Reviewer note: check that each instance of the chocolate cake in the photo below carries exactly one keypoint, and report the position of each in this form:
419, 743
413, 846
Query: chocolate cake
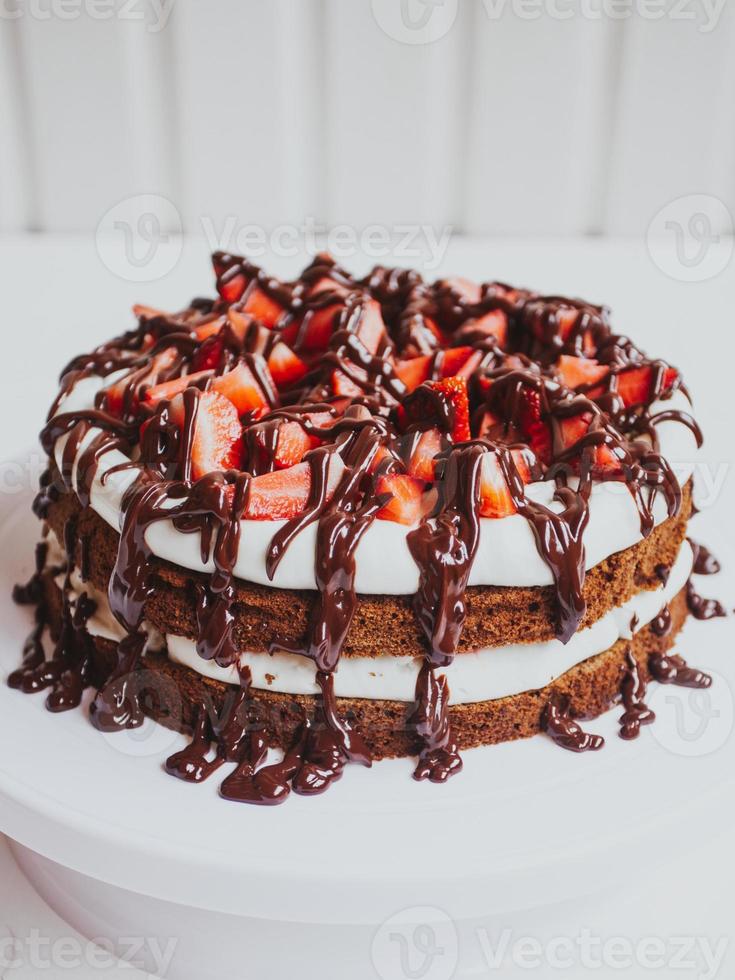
338, 519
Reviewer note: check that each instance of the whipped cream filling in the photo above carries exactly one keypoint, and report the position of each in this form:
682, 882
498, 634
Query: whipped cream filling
507, 554
487, 674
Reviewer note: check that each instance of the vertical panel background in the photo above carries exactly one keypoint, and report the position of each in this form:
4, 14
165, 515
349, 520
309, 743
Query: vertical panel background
279, 111
676, 118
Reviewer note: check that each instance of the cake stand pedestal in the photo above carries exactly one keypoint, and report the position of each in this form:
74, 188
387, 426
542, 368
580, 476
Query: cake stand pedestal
381, 876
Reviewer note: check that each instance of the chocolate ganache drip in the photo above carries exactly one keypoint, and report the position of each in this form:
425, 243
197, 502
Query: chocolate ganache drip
346, 400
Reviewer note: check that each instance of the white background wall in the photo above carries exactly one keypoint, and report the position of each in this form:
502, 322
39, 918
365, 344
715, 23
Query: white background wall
281, 110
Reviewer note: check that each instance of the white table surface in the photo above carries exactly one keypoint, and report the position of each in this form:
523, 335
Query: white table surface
59, 299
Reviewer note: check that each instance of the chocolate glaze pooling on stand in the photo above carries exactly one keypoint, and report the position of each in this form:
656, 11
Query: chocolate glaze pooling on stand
516, 339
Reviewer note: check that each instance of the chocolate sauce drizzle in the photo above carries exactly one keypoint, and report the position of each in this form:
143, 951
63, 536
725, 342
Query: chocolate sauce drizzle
633, 693
705, 562
702, 608
368, 435
558, 722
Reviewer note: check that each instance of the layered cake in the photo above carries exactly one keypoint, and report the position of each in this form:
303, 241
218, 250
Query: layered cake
339, 519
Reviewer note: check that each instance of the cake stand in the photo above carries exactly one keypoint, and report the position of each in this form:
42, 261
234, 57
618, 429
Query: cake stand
382, 876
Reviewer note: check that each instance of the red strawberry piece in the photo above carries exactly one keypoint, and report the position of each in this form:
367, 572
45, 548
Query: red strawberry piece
421, 406
491, 324
210, 328
317, 328
262, 307
217, 440
208, 356
495, 496
285, 366
169, 389
496, 499
423, 459
294, 442
575, 428
635, 386
232, 284
343, 385
284, 494
147, 312
455, 389
460, 361
578, 371
242, 389
407, 503
489, 425
327, 285
380, 457
122, 397
469, 291
414, 371
535, 429
371, 329
240, 322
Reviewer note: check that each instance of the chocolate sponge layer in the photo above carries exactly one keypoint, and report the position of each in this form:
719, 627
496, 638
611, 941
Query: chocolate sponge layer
173, 694
383, 625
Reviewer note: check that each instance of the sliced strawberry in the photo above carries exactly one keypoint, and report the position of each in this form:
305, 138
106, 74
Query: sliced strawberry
242, 389
371, 329
325, 284
420, 406
147, 312
217, 440
423, 459
489, 424
208, 356
468, 290
407, 501
455, 389
232, 284
495, 496
210, 328
121, 392
496, 499
414, 371
169, 389
535, 429
566, 317
317, 328
345, 386
635, 385
491, 324
285, 366
240, 322
262, 307
284, 494
578, 371
382, 454
293, 444
460, 361
575, 428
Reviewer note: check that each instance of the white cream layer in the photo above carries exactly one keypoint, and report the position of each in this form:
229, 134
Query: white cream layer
487, 674
492, 673
507, 553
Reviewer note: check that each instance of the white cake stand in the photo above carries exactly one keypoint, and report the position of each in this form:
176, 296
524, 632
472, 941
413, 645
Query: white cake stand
380, 876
